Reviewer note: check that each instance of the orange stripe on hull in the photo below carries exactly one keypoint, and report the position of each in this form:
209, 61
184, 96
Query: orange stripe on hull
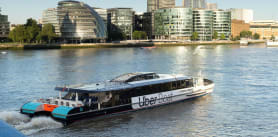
50, 108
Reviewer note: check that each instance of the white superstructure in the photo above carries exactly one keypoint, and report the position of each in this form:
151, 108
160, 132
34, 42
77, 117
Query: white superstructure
200, 88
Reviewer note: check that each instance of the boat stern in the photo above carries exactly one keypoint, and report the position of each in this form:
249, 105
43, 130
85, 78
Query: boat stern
61, 112
209, 85
31, 108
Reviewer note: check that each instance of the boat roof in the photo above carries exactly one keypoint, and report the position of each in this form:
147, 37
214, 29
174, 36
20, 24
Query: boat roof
127, 76
119, 83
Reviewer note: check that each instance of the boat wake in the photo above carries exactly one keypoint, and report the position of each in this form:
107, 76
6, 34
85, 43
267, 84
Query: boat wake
13, 117
38, 124
27, 125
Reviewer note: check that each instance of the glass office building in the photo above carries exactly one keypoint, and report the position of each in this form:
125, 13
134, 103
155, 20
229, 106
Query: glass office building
4, 26
203, 24
80, 22
180, 23
121, 20
50, 16
148, 24
222, 23
173, 23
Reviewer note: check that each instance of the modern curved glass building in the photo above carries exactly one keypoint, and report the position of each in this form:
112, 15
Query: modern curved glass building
173, 23
203, 24
222, 23
79, 22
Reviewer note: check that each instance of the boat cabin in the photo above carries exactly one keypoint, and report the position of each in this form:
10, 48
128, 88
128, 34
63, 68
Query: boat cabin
120, 90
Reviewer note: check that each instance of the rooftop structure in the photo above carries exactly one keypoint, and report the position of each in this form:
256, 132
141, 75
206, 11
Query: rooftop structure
153, 5
195, 4
212, 6
246, 15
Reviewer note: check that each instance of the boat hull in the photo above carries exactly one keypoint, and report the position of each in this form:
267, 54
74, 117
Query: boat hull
185, 94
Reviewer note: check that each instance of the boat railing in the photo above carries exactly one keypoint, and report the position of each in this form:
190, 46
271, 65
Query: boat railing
102, 86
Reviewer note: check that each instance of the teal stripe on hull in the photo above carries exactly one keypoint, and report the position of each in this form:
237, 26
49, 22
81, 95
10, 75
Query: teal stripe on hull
59, 116
28, 111
61, 112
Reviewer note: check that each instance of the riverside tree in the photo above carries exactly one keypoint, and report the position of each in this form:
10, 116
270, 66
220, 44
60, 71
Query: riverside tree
31, 32
222, 37
18, 34
194, 36
256, 36
272, 37
139, 35
116, 35
215, 35
47, 34
245, 34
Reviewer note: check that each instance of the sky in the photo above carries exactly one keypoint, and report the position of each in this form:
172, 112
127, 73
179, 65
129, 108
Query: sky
20, 10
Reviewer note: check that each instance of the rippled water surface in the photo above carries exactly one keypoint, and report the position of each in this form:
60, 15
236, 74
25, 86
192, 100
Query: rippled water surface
244, 102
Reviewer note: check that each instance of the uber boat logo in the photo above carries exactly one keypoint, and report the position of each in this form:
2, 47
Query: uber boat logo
150, 100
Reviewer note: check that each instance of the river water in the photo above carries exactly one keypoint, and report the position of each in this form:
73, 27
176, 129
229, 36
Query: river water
244, 102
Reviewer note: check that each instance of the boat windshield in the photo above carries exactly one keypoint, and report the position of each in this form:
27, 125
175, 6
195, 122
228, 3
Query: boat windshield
124, 77
131, 77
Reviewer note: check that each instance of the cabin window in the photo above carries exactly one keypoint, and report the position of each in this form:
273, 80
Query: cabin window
190, 83
140, 78
67, 104
183, 84
179, 84
174, 85
62, 103
149, 76
56, 102
73, 105
143, 77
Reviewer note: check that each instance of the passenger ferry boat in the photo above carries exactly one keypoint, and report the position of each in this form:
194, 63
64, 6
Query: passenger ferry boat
128, 92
